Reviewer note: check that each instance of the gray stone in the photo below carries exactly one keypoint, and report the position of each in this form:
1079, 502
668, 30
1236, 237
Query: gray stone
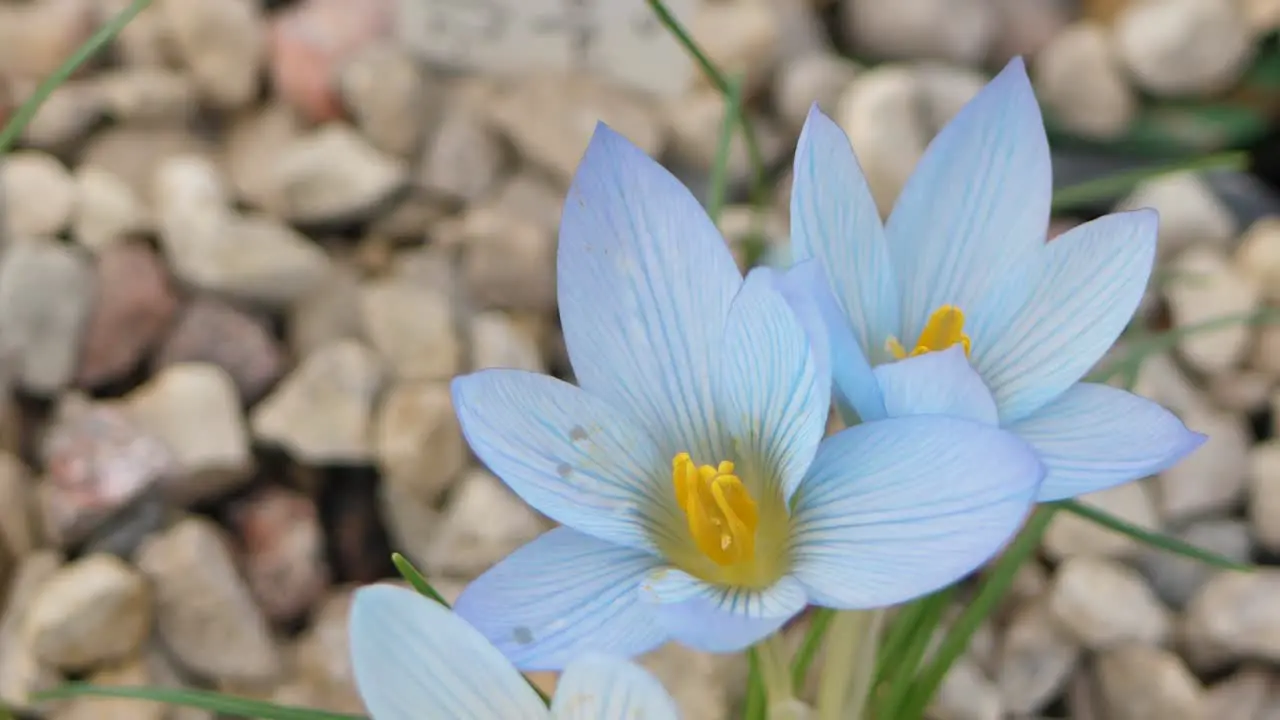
205, 614
46, 292
89, 613
1104, 604
322, 411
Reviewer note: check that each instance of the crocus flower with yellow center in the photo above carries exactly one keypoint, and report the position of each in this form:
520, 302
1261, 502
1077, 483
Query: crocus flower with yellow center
958, 306
697, 497
414, 660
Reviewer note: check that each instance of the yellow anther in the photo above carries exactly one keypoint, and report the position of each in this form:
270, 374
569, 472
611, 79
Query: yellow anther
722, 514
944, 329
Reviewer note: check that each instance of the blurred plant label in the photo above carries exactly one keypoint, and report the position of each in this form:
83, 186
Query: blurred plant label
620, 40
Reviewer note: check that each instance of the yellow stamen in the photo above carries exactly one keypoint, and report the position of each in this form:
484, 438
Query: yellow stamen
722, 514
944, 329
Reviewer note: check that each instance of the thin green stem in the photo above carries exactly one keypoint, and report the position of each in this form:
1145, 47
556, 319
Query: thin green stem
720, 169
903, 674
838, 663
774, 671
1103, 188
1155, 539
849, 664
416, 579
865, 665
100, 39
1152, 343
759, 187
754, 709
419, 582
819, 621
897, 638
977, 611
227, 705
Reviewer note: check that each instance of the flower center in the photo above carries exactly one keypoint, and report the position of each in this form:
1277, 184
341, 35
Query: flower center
722, 515
944, 329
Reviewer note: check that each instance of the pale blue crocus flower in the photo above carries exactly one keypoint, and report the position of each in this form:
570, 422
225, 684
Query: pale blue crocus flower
413, 659
958, 299
697, 498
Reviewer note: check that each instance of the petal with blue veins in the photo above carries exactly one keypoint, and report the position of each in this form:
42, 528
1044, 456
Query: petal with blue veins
894, 509
560, 596
771, 385
805, 289
1093, 437
977, 201
1094, 276
834, 219
719, 619
566, 453
414, 660
605, 687
936, 383
644, 281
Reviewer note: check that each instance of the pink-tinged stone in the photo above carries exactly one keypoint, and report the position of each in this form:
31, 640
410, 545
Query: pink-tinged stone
312, 40
37, 37
97, 462
284, 551
212, 331
135, 305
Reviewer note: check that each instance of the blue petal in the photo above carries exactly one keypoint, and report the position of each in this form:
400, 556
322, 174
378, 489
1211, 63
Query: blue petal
1093, 437
645, 282
775, 399
897, 508
987, 320
560, 596
720, 619
977, 201
415, 660
605, 687
567, 453
1094, 278
834, 219
806, 290
936, 383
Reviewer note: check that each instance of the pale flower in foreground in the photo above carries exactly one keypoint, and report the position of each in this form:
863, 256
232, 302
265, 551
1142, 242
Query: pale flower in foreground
698, 498
415, 660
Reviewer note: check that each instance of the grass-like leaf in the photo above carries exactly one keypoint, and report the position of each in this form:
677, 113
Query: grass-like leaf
224, 704
419, 582
755, 701
902, 672
720, 168
1104, 189
1150, 537
989, 595
759, 185
818, 622
416, 579
100, 39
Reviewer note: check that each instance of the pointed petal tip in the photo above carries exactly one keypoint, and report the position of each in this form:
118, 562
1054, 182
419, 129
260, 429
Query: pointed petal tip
815, 114
605, 141
1016, 64
1193, 442
819, 122
1015, 73
1014, 81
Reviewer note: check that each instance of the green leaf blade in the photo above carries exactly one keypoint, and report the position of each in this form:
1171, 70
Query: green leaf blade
204, 700
416, 579
1150, 537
